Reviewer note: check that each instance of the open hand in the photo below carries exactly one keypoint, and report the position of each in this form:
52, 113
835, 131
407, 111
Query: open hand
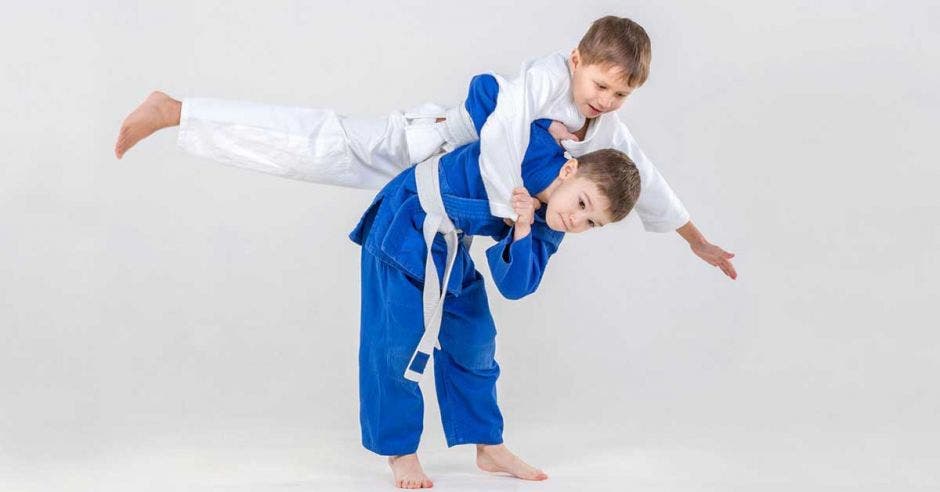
715, 256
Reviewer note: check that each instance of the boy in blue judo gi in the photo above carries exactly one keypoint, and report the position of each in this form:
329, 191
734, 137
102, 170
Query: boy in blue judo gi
598, 188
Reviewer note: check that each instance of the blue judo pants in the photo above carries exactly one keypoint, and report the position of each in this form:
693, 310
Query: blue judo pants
391, 408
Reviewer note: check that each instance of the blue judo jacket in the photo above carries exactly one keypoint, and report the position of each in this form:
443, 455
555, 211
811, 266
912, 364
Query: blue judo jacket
395, 232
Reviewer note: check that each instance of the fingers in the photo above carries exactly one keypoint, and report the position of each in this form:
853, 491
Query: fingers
728, 269
521, 192
722, 261
522, 201
715, 256
521, 196
524, 205
720, 252
559, 132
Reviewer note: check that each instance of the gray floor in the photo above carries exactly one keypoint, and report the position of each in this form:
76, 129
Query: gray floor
262, 459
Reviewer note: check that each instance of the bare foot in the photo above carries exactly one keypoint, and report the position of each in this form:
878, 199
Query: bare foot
157, 111
498, 458
408, 472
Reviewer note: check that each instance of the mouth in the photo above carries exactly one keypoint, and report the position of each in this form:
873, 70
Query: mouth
594, 109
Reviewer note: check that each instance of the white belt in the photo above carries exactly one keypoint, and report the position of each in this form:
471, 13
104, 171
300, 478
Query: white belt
436, 220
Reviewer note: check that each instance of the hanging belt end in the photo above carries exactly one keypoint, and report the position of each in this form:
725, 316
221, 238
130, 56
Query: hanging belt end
417, 365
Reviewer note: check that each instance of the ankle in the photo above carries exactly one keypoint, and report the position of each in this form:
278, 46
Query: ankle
168, 108
483, 448
171, 111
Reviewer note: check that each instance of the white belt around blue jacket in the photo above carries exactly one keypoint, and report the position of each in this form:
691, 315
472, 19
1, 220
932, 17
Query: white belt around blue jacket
456, 130
436, 221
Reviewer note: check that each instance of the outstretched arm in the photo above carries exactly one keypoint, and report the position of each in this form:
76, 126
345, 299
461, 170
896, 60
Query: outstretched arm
660, 209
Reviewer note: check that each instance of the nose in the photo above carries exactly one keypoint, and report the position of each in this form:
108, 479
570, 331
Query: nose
577, 221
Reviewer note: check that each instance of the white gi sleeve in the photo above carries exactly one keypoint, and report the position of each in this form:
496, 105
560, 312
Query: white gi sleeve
659, 208
504, 137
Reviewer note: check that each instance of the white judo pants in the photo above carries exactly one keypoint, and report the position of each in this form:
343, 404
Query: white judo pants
316, 145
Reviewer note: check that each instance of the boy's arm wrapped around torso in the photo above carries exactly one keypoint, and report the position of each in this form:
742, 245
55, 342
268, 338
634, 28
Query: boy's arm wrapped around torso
504, 137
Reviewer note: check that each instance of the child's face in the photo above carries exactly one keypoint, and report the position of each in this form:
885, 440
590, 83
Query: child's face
576, 205
597, 89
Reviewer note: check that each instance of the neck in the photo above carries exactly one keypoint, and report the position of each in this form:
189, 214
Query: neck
545, 194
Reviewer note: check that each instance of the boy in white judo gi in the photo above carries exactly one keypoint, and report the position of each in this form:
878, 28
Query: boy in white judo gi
580, 92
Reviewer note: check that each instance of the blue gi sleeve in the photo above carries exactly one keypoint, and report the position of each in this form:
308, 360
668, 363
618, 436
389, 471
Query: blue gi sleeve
517, 266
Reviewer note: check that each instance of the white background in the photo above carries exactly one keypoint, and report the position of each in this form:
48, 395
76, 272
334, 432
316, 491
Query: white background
168, 323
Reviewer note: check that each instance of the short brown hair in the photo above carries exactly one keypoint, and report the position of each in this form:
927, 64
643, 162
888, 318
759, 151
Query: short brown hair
620, 42
615, 175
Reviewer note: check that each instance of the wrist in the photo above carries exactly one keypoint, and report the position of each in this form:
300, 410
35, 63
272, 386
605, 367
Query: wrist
692, 235
172, 111
697, 241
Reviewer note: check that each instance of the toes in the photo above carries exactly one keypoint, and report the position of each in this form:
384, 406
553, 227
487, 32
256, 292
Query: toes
121, 144
537, 475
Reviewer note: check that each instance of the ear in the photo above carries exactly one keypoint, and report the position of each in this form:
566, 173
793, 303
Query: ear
568, 170
575, 58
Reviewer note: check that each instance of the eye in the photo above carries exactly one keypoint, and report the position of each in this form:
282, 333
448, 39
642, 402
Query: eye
599, 86
581, 204
592, 223
621, 95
